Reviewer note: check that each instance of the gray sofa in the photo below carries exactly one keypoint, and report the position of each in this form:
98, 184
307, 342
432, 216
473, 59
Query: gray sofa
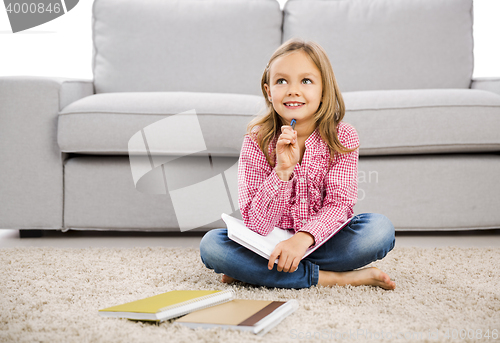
429, 133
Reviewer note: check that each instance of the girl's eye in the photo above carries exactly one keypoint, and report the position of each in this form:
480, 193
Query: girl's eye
278, 81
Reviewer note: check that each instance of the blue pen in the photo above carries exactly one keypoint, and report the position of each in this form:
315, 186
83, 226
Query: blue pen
293, 124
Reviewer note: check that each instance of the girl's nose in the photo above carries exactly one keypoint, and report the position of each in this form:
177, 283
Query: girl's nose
293, 90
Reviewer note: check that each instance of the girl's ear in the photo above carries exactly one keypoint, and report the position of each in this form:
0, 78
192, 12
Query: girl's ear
268, 91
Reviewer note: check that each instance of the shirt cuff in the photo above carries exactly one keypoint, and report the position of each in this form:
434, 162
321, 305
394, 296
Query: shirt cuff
315, 228
277, 188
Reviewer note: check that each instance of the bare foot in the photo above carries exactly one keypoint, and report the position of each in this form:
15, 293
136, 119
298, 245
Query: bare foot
368, 276
227, 279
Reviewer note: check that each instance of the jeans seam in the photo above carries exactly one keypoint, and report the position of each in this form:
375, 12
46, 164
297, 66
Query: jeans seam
314, 274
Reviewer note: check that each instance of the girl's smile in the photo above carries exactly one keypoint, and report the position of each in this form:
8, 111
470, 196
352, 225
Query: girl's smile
294, 105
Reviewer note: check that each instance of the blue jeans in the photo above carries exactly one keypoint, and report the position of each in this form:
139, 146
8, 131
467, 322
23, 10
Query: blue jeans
367, 238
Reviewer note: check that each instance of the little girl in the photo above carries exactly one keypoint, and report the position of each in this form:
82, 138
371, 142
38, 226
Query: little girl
302, 179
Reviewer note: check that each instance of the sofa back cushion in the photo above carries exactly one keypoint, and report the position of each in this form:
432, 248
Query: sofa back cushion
219, 46
389, 44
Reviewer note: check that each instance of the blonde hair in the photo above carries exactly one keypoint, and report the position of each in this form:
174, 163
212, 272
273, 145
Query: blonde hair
330, 112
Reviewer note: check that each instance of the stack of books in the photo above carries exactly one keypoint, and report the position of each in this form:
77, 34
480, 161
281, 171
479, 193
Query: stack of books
206, 309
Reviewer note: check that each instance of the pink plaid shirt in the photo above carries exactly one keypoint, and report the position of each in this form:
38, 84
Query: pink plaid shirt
314, 200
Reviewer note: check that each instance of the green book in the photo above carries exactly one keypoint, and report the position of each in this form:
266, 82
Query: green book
168, 305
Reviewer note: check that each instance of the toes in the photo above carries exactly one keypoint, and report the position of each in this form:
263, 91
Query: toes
385, 280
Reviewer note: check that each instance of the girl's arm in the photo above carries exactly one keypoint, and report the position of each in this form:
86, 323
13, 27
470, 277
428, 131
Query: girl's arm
262, 195
341, 189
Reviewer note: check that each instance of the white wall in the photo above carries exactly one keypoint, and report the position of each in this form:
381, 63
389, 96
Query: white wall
486, 38
63, 47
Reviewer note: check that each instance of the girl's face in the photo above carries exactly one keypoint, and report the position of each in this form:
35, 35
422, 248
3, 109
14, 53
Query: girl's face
295, 79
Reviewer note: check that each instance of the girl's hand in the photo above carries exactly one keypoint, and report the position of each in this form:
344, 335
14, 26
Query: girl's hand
290, 252
287, 150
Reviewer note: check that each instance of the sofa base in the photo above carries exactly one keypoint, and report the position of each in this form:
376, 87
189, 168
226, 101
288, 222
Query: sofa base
30, 233
432, 192
100, 194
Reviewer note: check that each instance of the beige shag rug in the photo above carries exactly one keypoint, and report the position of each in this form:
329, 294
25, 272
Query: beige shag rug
53, 295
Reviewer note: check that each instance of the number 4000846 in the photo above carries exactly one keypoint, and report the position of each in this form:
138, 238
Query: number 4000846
471, 334
33, 7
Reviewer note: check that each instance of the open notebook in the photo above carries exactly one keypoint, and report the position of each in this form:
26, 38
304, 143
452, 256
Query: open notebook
264, 245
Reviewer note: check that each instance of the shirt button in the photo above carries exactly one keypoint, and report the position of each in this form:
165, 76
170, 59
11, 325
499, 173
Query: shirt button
303, 200
302, 179
275, 187
304, 221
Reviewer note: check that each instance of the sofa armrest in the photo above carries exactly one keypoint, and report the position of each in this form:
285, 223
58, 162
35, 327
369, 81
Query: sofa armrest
491, 84
31, 164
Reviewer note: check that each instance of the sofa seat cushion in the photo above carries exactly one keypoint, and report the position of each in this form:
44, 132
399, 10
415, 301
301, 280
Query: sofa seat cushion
424, 121
103, 124
388, 122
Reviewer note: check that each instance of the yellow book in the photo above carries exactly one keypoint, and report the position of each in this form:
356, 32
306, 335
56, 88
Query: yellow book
168, 305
